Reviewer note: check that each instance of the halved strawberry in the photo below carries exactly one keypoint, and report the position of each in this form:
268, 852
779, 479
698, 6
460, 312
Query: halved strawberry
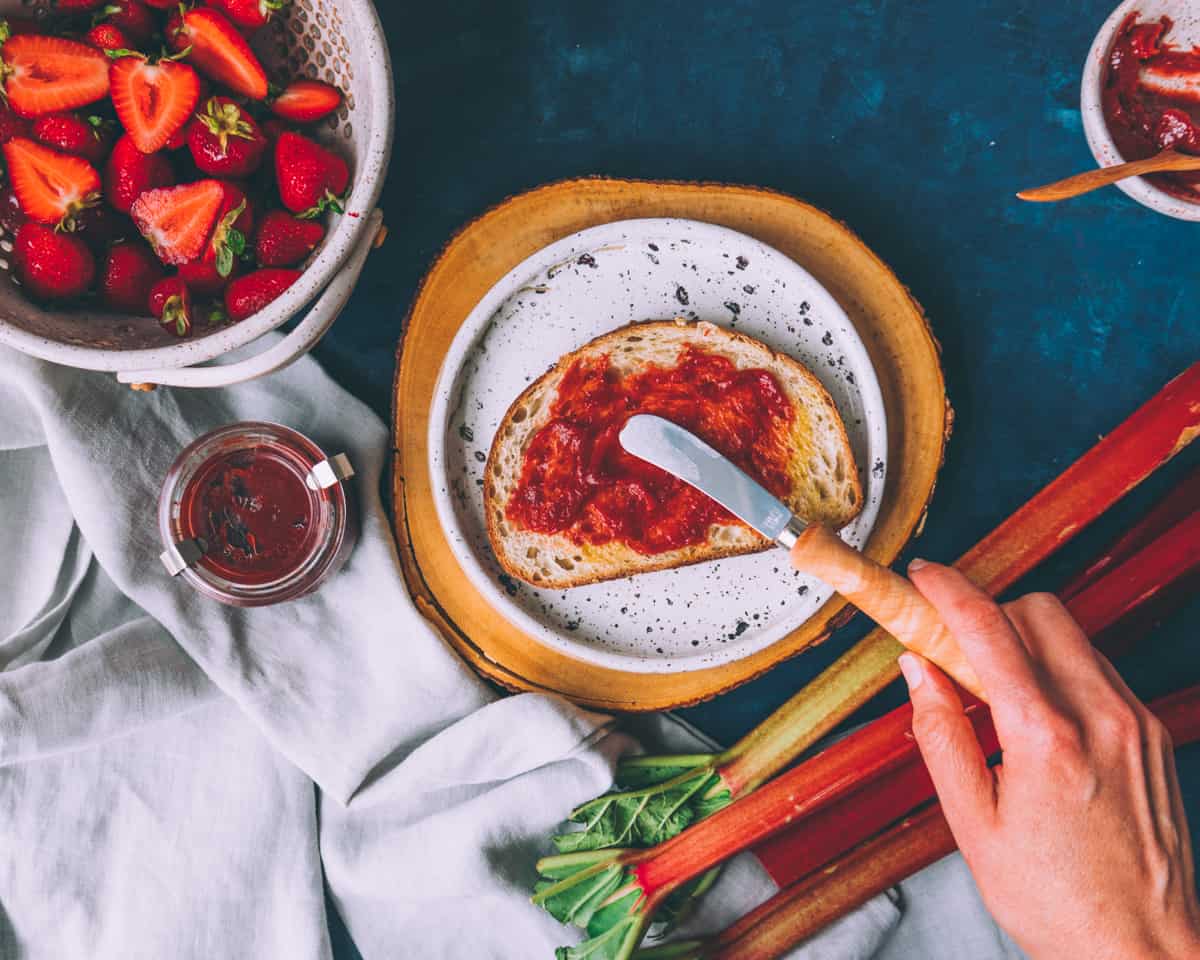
130, 173
306, 101
218, 50
311, 178
51, 186
153, 100
248, 14
178, 221
51, 75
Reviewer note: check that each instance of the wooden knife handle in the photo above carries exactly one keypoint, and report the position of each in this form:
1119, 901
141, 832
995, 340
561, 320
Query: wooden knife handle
886, 597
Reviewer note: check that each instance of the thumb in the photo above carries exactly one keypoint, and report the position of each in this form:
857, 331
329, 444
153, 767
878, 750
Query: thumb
965, 785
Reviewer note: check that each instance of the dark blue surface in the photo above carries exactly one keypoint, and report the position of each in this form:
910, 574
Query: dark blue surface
915, 123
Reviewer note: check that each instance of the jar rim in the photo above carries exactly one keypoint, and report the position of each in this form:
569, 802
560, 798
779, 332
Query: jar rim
331, 509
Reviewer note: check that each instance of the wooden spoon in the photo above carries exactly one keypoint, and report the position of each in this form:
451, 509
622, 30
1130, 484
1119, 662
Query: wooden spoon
1095, 179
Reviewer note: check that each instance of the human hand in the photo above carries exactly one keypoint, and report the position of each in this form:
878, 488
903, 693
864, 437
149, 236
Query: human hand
1078, 842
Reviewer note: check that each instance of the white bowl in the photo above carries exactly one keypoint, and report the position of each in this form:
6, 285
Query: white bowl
1185, 33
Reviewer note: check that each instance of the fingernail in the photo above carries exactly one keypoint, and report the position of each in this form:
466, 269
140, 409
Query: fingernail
911, 668
917, 563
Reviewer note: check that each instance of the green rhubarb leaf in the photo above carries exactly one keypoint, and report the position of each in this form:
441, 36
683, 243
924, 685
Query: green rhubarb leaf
577, 903
614, 910
667, 799
617, 943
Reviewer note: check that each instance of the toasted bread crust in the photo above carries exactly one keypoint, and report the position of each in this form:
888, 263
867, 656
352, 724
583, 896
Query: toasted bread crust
553, 561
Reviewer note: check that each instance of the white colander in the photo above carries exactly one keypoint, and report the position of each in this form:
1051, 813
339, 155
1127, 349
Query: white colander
338, 41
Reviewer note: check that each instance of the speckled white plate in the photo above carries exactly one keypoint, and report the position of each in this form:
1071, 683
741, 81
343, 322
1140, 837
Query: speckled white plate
562, 297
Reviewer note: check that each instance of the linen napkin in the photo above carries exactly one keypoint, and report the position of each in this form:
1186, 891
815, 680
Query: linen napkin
183, 779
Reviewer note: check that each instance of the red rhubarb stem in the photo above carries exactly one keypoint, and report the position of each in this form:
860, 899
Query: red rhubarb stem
1139, 577
1152, 435
1131, 585
1148, 438
1181, 502
813, 901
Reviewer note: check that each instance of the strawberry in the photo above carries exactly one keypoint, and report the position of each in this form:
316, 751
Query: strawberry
202, 278
50, 75
171, 302
161, 4
153, 100
306, 101
130, 173
11, 214
51, 186
218, 50
235, 222
101, 226
225, 140
248, 14
273, 128
108, 36
178, 221
284, 240
133, 17
78, 5
129, 271
249, 294
90, 138
11, 125
50, 264
311, 178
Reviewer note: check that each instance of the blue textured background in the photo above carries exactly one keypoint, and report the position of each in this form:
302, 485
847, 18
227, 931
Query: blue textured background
915, 123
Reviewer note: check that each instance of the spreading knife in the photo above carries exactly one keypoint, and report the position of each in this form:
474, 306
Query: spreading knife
886, 597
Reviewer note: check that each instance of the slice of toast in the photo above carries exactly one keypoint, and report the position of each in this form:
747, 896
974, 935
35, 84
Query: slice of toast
824, 479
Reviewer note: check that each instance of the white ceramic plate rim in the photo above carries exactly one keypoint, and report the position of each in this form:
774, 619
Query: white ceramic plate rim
477, 322
1095, 127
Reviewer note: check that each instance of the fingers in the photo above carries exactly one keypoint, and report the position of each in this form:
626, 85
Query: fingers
989, 641
965, 785
1063, 654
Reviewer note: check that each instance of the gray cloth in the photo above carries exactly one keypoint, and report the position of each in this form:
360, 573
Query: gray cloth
182, 779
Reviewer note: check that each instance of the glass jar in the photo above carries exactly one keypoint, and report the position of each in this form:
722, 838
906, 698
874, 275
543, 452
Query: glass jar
256, 513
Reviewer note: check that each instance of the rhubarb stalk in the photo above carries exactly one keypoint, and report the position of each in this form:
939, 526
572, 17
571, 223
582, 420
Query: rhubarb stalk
657, 797
1173, 557
832, 889
879, 764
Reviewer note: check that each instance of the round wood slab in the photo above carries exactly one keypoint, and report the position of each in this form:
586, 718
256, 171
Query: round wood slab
888, 319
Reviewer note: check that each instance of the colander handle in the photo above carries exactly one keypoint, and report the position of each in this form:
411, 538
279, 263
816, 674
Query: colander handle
288, 350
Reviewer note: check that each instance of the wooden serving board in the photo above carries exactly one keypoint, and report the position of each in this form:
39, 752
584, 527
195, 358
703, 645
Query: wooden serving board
890, 322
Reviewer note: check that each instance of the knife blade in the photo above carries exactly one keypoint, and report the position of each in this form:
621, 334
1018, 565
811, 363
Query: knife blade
883, 595
681, 453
